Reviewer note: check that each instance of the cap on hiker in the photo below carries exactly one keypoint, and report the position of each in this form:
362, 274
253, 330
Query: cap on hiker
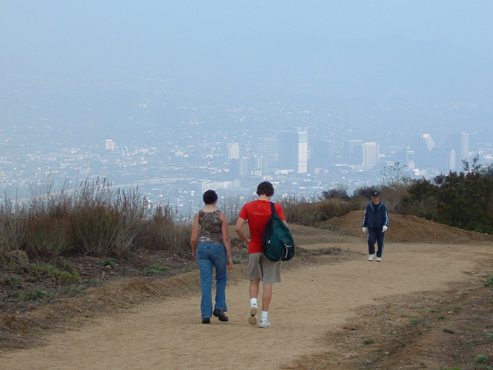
375, 194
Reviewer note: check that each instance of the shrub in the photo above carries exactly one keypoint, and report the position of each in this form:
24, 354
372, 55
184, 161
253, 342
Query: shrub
481, 359
306, 212
155, 269
12, 227
489, 281
52, 273
36, 294
46, 237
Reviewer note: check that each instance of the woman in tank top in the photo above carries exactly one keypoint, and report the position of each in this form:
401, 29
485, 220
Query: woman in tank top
211, 248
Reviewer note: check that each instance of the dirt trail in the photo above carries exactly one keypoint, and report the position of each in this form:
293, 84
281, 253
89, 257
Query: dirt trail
310, 302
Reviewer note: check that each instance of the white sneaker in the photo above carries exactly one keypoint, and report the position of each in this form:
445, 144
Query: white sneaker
370, 257
379, 259
252, 320
264, 324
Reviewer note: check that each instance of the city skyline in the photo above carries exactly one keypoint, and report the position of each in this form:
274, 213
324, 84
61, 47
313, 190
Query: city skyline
310, 96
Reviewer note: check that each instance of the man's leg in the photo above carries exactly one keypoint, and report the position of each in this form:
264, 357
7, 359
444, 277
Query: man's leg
266, 296
371, 244
380, 236
254, 274
254, 288
266, 299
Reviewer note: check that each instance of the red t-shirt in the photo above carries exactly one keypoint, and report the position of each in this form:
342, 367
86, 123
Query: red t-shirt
258, 214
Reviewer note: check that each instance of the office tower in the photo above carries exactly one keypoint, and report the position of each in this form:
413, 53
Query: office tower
244, 169
410, 163
459, 143
353, 152
288, 150
109, 145
267, 149
233, 151
453, 161
267, 145
302, 151
320, 154
371, 155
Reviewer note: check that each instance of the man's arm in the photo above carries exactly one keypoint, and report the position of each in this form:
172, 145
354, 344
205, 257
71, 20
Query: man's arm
239, 230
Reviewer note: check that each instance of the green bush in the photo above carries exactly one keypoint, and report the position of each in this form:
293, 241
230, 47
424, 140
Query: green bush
155, 269
464, 199
489, 281
35, 294
52, 273
481, 359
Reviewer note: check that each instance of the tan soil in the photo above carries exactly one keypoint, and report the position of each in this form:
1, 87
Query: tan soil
312, 306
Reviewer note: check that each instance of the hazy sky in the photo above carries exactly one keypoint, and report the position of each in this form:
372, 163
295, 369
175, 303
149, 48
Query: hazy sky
378, 50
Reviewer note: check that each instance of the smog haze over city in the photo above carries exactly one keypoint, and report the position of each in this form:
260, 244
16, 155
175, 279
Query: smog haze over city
176, 97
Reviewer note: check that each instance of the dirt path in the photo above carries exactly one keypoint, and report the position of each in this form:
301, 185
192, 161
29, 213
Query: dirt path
310, 302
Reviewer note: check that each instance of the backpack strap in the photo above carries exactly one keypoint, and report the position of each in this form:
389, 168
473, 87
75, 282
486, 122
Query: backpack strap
273, 208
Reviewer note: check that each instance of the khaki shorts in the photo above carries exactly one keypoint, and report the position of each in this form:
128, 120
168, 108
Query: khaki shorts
260, 267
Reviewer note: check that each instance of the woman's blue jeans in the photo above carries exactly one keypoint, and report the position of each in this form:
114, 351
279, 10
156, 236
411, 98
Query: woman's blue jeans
210, 255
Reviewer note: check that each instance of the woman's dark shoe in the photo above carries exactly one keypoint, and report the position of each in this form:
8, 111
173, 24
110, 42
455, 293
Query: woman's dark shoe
220, 315
206, 320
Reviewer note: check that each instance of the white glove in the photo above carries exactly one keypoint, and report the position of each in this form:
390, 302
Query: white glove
384, 229
364, 229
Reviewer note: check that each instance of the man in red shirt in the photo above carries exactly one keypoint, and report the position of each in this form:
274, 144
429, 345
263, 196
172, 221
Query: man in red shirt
258, 213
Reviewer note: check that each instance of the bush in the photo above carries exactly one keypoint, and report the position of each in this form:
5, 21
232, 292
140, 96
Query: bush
463, 200
309, 213
46, 237
93, 219
52, 273
12, 227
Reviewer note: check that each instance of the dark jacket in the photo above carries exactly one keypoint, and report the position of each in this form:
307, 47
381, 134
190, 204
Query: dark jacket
377, 218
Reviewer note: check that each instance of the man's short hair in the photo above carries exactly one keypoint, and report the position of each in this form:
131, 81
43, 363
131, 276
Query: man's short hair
210, 197
265, 188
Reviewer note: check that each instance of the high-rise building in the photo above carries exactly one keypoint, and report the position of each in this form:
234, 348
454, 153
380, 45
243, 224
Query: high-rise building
267, 149
233, 151
288, 150
459, 143
320, 154
410, 163
453, 161
302, 151
109, 145
371, 155
353, 152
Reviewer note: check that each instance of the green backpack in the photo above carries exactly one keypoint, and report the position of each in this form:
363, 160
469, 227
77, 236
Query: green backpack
277, 239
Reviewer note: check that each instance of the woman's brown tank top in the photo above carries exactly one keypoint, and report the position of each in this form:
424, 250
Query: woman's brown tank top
210, 226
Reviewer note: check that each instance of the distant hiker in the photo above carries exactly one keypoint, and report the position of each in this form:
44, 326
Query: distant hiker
258, 213
376, 223
211, 248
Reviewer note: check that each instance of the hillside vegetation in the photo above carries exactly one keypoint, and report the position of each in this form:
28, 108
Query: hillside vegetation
63, 242
463, 200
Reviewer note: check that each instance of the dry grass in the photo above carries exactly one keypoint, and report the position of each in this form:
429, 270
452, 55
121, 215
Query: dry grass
93, 219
